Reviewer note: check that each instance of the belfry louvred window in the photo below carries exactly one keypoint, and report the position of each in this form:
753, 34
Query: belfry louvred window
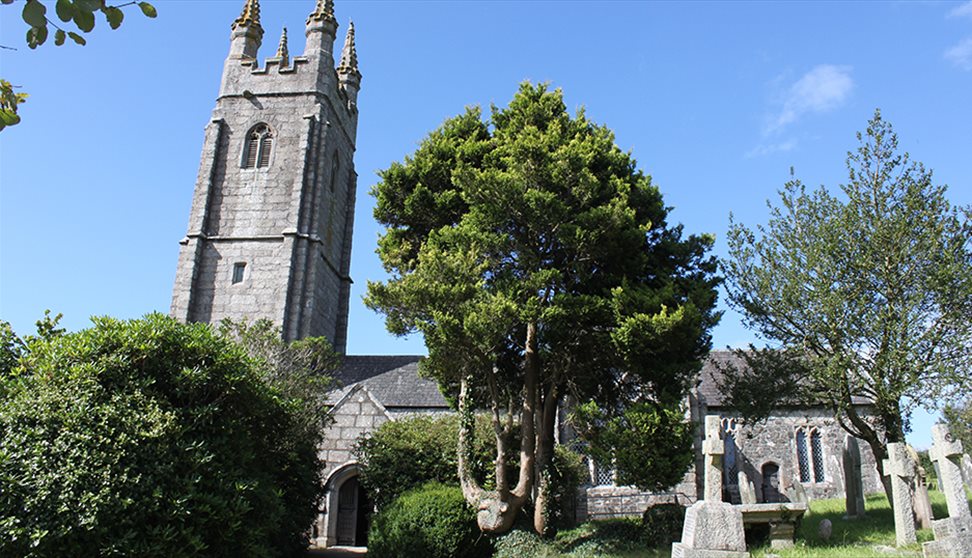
259, 144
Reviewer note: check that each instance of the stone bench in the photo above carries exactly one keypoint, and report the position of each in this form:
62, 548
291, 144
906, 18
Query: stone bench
782, 519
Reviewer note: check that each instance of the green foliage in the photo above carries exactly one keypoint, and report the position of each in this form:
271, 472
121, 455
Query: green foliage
537, 261
567, 471
149, 438
9, 101
432, 521
661, 524
614, 538
407, 453
77, 13
629, 440
958, 417
867, 294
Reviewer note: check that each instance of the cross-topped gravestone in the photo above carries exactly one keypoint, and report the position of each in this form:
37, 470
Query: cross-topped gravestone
946, 452
853, 480
713, 449
953, 534
712, 528
901, 469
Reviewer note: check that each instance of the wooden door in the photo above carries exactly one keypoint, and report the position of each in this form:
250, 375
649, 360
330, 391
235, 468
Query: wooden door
347, 520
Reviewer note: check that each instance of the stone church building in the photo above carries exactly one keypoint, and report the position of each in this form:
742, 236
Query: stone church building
269, 236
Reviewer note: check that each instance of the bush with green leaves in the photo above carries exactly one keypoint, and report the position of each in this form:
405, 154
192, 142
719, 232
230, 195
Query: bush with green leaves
432, 521
407, 453
149, 438
661, 524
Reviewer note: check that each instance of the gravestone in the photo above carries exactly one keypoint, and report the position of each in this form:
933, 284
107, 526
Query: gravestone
747, 491
953, 535
796, 494
853, 480
921, 503
938, 476
901, 469
919, 492
712, 528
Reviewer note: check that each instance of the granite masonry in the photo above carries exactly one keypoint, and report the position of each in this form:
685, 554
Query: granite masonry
272, 215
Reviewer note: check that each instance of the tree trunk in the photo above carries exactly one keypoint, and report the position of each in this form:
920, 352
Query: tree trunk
545, 449
496, 510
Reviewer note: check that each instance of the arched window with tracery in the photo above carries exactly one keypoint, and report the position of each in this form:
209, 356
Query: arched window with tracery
816, 450
810, 459
803, 458
259, 145
731, 455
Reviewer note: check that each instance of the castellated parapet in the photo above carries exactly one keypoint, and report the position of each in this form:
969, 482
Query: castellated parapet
271, 222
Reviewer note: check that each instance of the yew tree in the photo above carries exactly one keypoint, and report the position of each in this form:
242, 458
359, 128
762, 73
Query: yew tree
538, 263
865, 295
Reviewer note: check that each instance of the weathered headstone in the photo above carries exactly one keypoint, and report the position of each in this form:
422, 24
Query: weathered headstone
919, 492
712, 528
853, 480
747, 491
953, 535
825, 529
796, 493
901, 469
938, 476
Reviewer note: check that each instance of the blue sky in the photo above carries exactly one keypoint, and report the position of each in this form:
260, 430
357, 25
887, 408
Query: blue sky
716, 101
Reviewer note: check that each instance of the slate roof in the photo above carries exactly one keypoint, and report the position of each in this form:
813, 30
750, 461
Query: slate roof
393, 380
708, 388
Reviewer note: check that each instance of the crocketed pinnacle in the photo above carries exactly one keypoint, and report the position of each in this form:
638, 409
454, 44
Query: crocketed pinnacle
323, 12
250, 15
349, 56
282, 51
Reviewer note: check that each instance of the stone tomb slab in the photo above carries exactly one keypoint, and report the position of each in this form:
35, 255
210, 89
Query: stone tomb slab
781, 518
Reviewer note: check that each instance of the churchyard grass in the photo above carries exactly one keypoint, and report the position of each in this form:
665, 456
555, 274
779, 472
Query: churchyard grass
859, 538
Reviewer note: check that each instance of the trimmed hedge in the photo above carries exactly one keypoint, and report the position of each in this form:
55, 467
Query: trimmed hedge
432, 521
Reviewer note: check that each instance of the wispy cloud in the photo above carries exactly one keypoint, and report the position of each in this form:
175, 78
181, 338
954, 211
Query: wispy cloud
961, 54
962, 10
770, 148
822, 89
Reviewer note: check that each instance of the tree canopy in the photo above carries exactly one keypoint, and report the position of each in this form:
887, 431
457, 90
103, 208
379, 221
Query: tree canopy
538, 263
866, 297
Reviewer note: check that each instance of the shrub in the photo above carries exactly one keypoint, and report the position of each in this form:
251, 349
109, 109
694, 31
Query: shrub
432, 521
407, 453
520, 543
149, 438
662, 524
566, 473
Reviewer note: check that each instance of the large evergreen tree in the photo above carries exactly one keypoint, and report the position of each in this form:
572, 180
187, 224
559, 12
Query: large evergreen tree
537, 261
867, 297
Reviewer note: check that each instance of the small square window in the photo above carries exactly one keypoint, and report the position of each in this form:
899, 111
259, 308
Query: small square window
238, 269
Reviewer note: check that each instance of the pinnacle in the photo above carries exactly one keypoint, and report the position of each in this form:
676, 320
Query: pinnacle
250, 16
349, 55
323, 12
282, 52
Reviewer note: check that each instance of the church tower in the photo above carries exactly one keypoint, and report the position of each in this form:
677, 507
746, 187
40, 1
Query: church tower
272, 214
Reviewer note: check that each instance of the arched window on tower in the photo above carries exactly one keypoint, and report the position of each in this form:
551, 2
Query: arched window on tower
259, 145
